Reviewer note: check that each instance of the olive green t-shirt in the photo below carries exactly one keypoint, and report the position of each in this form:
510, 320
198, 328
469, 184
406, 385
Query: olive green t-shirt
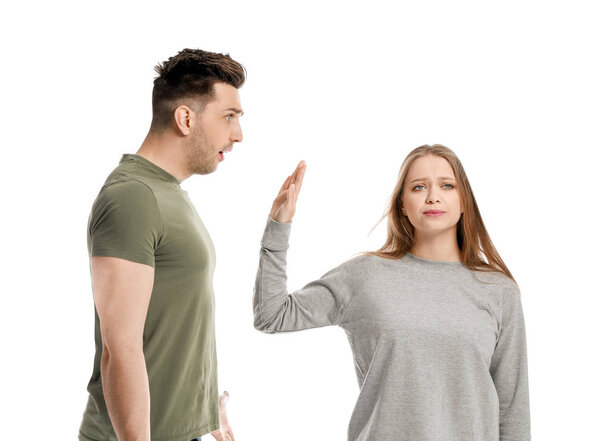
141, 214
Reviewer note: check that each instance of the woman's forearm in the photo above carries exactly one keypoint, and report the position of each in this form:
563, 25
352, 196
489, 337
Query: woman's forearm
270, 288
321, 302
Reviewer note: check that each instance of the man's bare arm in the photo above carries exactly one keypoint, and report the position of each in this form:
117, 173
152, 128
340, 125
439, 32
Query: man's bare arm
122, 291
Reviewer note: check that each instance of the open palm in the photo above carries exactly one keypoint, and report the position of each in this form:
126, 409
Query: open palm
284, 205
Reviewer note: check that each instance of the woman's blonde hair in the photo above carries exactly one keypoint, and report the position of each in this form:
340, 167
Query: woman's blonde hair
473, 239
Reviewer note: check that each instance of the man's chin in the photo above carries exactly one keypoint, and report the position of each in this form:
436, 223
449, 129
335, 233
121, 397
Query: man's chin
205, 170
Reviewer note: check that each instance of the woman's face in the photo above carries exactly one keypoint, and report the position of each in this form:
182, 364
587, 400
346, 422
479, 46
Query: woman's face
430, 185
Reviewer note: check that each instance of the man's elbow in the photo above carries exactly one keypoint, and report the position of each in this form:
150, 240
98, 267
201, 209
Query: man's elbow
120, 349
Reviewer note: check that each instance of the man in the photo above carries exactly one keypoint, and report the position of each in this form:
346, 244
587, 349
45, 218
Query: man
152, 263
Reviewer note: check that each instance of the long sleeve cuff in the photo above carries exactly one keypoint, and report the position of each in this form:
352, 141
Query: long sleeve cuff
276, 235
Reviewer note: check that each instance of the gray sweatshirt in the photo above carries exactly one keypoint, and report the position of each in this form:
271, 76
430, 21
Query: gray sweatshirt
439, 350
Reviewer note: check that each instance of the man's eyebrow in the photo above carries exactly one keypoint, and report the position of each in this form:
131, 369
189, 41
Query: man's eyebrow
424, 179
236, 110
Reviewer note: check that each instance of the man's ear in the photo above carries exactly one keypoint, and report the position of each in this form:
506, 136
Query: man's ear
183, 119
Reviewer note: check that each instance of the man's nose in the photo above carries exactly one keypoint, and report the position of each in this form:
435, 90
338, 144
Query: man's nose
236, 135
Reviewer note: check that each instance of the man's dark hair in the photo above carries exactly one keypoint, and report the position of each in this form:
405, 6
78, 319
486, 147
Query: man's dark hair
190, 75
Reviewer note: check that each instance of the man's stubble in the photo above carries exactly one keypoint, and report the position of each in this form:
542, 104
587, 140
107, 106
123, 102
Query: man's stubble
201, 158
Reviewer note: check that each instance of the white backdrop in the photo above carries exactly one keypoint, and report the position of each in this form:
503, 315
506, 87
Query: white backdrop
349, 87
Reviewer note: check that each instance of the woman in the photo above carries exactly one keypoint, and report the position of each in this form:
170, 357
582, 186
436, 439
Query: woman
437, 332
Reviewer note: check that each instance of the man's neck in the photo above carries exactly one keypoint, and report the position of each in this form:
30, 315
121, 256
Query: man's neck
166, 153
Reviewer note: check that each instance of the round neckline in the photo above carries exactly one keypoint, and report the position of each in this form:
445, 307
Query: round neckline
438, 263
165, 174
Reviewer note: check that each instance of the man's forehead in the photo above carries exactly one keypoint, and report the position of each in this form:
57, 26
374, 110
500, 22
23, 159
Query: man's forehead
227, 96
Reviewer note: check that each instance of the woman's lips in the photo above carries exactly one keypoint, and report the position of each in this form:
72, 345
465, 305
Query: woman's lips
434, 213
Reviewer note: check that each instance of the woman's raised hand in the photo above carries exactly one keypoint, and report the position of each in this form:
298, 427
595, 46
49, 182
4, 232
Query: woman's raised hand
284, 205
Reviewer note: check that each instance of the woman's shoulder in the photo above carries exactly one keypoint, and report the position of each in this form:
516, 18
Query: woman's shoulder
495, 277
500, 289
356, 268
363, 260
354, 263
366, 266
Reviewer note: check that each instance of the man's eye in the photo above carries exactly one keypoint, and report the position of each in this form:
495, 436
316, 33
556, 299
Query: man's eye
228, 117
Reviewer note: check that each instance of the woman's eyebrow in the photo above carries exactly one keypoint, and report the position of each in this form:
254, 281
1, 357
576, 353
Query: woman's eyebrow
424, 179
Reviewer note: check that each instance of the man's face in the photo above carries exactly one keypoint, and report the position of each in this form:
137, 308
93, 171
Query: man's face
217, 127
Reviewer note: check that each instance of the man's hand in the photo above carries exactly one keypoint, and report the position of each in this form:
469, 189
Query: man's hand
224, 433
284, 205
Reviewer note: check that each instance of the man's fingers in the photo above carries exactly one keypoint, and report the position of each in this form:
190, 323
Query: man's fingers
224, 397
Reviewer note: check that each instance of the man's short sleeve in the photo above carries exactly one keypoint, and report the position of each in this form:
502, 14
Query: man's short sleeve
125, 222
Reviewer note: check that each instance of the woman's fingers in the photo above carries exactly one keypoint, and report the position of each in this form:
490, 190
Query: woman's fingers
297, 170
300, 177
297, 173
281, 197
294, 187
285, 185
284, 205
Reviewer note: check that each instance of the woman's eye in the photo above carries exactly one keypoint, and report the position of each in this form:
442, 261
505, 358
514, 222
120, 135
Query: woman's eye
420, 185
228, 117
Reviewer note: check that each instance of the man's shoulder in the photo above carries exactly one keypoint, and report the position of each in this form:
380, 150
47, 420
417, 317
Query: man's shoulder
129, 188
125, 172
123, 210
127, 198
